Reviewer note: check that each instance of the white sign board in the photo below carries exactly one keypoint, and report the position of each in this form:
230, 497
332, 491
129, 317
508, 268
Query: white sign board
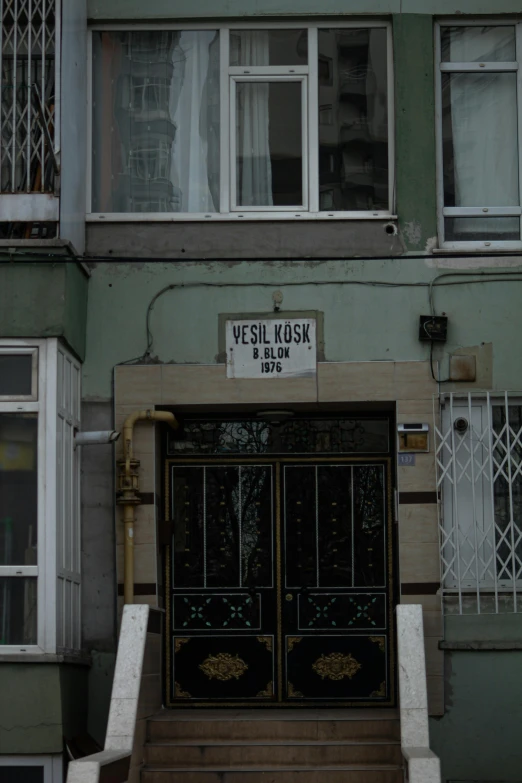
274, 348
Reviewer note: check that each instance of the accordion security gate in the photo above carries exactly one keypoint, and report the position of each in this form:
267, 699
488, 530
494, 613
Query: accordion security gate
278, 582
29, 123
479, 473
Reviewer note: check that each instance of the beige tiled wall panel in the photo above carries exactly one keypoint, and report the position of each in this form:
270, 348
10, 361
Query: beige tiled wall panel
133, 385
419, 562
208, 385
418, 523
420, 477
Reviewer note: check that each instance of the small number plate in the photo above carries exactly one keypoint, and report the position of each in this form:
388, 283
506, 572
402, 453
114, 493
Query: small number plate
406, 460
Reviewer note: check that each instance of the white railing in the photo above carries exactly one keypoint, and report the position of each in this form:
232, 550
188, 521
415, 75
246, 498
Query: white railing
29, 67
422, 765
479, 475
114, 761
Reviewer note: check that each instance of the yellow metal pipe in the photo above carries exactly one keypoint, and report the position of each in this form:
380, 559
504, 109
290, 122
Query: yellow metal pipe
129, 498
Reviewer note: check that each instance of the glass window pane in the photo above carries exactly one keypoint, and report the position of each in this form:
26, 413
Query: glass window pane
21, 774
493, 229
353, 119
17, 610
480, 150
16, 372
269, 157
18, 488
478, 44
268, 47
155, 121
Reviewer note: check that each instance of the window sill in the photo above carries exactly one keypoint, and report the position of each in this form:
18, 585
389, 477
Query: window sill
167, 217
78, 659
490, 248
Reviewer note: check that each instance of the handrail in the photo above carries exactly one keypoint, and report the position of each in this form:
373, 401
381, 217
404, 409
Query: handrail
112, 764
422, 765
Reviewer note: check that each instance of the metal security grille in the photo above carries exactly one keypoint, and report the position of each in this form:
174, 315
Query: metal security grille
479, 473
29, 123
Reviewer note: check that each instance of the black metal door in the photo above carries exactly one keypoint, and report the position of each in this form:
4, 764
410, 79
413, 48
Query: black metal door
278, 582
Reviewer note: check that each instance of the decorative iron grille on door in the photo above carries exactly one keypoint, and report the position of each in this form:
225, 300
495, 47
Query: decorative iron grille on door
278, 575
479, 473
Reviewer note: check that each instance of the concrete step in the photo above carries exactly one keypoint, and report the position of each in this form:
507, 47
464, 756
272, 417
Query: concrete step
310, 725
346, 774
261, 754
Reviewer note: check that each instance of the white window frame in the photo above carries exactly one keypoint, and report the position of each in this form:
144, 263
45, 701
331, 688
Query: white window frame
33, 397
310, 108
52, 765
450, 67
47, 570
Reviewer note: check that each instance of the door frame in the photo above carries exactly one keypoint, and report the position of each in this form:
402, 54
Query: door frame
278, 461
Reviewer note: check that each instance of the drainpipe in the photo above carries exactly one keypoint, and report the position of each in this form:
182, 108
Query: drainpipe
128, 494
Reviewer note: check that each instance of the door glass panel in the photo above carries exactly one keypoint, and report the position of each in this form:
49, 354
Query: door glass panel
269, 157
369, 526
480, 154
300, 515
256, 525
17, 610
16, 373
18, 488
334, 489
478, 44
353, 119
268, 47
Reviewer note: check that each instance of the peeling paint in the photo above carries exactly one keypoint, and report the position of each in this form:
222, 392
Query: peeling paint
413, 232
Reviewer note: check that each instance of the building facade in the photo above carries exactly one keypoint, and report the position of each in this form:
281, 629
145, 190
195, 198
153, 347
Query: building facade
299, 234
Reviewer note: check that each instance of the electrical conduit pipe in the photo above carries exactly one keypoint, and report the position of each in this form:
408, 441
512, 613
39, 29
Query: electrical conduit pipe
129, 496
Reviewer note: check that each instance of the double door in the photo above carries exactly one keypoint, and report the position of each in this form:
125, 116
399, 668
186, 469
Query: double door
278, 582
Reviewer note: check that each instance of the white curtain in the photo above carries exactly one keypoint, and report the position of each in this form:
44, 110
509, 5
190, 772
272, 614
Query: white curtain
484, 120
253, 164
191, 109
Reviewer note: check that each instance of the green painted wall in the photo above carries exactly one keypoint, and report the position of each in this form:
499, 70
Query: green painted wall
415, 129
40, 703
44, 300
179, 9
361, 322
479, 736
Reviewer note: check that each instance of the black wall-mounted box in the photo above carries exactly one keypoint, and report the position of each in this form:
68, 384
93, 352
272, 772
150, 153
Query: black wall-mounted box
433, 328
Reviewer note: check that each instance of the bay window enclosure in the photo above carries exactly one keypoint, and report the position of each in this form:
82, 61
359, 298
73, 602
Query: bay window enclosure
274, 122
39, 501
480, 134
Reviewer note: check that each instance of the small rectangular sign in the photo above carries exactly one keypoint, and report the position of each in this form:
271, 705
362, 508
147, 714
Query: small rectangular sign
406, 460
274, 348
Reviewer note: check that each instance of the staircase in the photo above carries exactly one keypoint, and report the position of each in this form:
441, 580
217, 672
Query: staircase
273, 746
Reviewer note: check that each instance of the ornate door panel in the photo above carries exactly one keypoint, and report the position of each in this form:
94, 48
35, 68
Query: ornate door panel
278, 581
336, 582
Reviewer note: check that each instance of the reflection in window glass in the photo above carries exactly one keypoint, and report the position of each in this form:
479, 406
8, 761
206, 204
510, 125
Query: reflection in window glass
353, 121
16, 372
478, 44
17, 610
269, 47
269, 168
156, 121
18, 488
471, 229
480, 154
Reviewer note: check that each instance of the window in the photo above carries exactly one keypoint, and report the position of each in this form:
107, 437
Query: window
480, 134
275, 122
31, 769
39, 514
